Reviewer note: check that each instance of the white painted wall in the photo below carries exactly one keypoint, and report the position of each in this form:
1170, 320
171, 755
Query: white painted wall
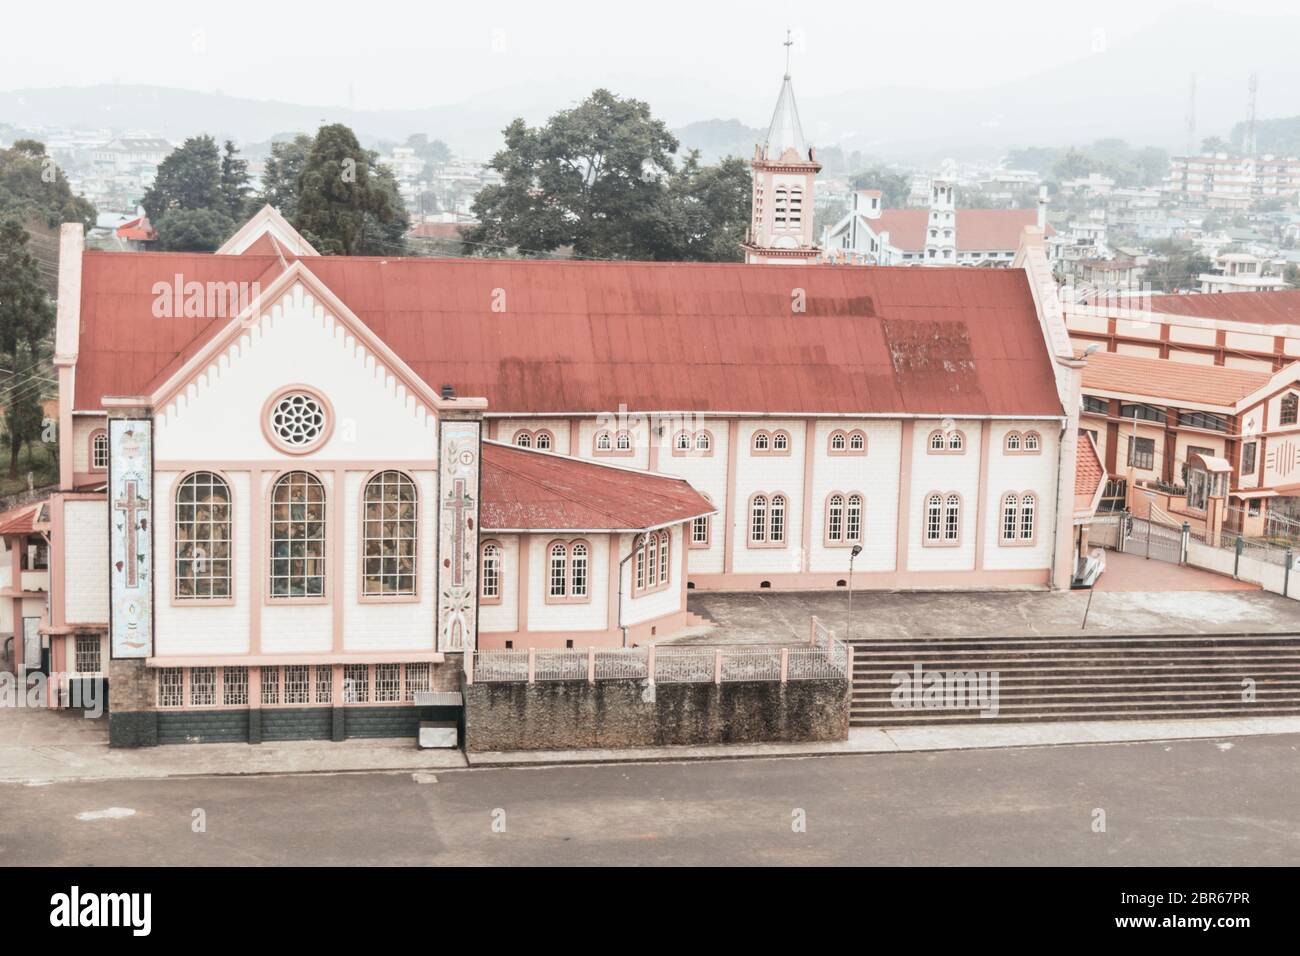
769, 474
1019, 474
497, 618
85, 538
590, 615
943, 473
875, 475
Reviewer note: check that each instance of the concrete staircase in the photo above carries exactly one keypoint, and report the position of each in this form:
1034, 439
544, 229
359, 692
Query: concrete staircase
1081, 678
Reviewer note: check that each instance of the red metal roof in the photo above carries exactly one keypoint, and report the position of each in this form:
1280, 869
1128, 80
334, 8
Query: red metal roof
1261, 308
19, 520
978, 230
531, 490
579, 337
138, 229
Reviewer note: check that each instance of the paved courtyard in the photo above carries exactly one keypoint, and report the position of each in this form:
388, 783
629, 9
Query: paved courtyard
775, 617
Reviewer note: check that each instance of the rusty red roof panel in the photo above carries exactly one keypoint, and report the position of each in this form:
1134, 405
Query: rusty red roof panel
1262, 308
582, 337
534, 491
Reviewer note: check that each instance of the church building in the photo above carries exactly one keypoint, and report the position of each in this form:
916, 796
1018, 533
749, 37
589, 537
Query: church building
298, 491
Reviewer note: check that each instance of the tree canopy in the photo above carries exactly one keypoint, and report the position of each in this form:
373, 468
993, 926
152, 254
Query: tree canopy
601, 180
34, 189
280, 175
347, 203
189, 178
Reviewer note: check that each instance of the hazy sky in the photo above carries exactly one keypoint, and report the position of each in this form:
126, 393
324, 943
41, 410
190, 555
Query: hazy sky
397, 54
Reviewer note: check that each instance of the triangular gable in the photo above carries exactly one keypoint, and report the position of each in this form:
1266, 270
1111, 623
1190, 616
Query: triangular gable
1285, 377
163, 390
267, 223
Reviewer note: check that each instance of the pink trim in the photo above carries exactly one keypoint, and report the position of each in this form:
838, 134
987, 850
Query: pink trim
689, 533
362, 597
276, 441
281, 660
1036, 578
809, 456
844, 541
848, 436
771, 449
575, 427
501, 573
90, 448
767, 541
947, 439
274, 464
693, 451
256, 556
66, 453
615, 583
525, 572
334, 521
654, 629
330, 546
942, 541
534, 437
1022, 439
234, 577
903, 542
613, 451
1018, 542
982, 499
729, 518
568, 597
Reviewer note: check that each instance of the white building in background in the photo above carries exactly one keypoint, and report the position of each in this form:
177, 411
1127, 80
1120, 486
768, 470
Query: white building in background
1240, 272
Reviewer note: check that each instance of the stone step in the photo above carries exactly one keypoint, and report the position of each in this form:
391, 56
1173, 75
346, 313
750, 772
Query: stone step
922, 718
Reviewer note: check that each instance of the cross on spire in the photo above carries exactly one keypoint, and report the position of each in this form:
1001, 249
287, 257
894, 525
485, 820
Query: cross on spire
788, 43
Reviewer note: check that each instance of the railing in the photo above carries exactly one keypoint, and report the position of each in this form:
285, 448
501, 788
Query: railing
823, 658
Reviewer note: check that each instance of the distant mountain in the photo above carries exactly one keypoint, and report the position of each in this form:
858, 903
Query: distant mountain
1119, 92
1281, 137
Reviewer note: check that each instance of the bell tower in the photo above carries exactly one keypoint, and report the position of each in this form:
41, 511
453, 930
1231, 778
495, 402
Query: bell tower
785, 172
941, 228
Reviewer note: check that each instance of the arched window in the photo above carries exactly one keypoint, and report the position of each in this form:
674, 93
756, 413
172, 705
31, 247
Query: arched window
624, 441
202, 537
1013, 441
947, 442
934, 518
683, 441
839, 441
99, 451
956, 441
1290, 406
639, 561
781, 441
389, 536
776, 521
569, 572
857, 442
796, 206
952, 518
703, 441
665, 547
652, 561
490, 573
936, 441
835, 518
1032, 441
559, 570
853, 519
1010, 517
298, 545
1027, 507
780, 205
700, 532
758, 519
762, 441
603, 442
524, 438
544, 440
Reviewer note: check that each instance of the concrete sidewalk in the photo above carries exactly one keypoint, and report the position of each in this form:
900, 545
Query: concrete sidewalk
37, 763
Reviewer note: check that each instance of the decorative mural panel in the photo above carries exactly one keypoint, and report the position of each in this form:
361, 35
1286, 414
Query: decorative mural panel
458, 489
130, 548
1283, 457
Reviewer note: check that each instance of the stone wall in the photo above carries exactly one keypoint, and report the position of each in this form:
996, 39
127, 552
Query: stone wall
132, 721
560, 715
284, 723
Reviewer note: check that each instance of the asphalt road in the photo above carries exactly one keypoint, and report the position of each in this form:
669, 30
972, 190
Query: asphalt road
1192, 803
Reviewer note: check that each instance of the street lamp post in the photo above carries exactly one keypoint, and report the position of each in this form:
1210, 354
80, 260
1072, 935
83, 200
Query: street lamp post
848, 630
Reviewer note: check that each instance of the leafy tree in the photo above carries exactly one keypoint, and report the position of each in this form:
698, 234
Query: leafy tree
709, 210
894, 187
591, 178
24, 414
234, 183
346, 203
26, 316
34, 189
280, 177
194, 230
432, 151
1215, 144
189, 178
1177, 269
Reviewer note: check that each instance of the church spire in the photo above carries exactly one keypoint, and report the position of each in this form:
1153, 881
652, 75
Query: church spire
785, 131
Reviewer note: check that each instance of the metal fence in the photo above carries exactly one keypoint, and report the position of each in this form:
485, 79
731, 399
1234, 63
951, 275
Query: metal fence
822, 658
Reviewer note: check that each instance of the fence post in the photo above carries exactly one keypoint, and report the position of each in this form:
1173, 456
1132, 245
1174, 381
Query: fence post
830, 644
591, 665
812, 631
1286, 578
470, 652
717, 666
1123, 531
650, 664
1236, 561
785, 664
532, 665
1187, 537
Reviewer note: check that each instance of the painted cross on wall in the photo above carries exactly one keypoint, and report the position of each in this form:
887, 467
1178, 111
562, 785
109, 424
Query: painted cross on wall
458, 536
130, 571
